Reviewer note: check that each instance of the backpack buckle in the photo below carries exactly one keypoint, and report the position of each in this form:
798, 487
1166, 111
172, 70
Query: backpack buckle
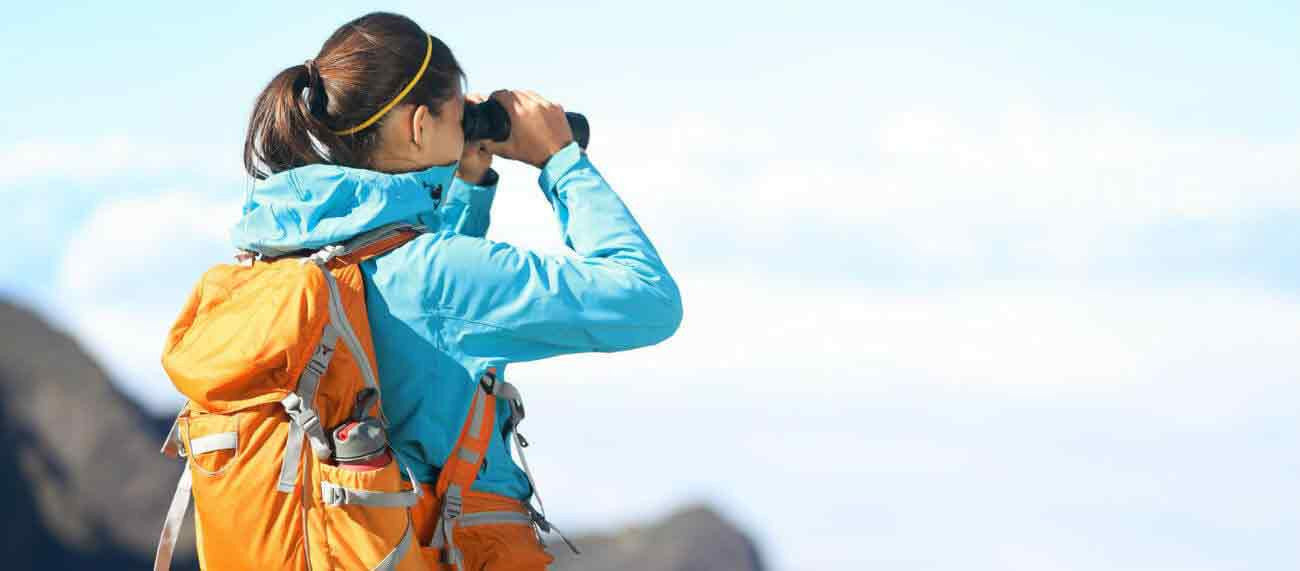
333, 495
488, 382
173, 446
304, 415
452, 504
324, 255
546, 527
538, 518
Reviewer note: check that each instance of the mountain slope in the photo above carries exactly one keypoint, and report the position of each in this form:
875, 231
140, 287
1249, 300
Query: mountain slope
694, 538
84, 484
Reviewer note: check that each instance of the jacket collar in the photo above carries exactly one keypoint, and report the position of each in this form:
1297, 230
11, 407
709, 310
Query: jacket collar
316, 205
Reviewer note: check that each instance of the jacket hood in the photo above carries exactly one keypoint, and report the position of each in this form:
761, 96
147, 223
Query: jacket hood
316, 205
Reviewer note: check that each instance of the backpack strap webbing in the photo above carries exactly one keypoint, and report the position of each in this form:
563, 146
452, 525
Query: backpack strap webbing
180, 504
462, 466
463, 463
510, 394
366, 246
355, 250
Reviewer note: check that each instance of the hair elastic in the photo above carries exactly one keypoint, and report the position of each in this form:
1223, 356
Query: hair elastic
428, 52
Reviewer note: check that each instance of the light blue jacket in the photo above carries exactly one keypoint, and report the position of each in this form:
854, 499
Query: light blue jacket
449, 304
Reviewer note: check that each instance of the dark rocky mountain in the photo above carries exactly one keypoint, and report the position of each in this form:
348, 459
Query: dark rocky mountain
694, 538
83, 485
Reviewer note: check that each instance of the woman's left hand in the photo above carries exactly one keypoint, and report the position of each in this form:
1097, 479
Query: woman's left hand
476, 159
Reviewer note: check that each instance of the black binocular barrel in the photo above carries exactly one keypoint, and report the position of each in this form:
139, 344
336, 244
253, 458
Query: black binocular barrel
489, 120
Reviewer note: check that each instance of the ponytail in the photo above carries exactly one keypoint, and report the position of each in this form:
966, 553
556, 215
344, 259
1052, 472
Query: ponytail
278, 125
364, 65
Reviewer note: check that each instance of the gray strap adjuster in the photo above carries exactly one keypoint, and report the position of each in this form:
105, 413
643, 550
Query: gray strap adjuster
547, 527
173, 447
333, 495
307, 419
452, 504
442, 533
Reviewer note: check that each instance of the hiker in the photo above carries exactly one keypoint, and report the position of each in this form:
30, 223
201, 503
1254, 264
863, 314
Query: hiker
369, 133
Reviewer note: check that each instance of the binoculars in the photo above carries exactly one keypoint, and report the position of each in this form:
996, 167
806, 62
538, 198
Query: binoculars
489, 120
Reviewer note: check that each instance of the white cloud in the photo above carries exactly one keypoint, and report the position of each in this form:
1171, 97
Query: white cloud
109, 156
1033, 339
1054, 192
848, 428
1111, 167
126, 273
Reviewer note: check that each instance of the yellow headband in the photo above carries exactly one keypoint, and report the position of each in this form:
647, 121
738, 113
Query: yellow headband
428, 51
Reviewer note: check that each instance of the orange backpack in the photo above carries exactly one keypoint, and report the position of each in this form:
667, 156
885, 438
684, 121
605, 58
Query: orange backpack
275, 354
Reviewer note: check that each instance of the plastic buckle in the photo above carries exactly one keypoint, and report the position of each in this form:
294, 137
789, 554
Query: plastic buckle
324, 255
173, 446
451, 505
538, 518
292, 404
333, 495
308, 420
546, 527
299, 412
489, 382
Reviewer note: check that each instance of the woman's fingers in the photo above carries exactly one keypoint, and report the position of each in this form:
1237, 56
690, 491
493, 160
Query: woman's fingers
538, 127
505, 97
538, 100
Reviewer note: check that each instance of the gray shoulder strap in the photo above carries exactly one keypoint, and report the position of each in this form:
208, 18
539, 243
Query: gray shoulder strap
162, 560
303, 418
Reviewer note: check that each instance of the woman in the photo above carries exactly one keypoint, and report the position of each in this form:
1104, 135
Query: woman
369, 133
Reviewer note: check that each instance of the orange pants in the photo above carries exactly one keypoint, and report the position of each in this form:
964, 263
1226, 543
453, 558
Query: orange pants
485, 547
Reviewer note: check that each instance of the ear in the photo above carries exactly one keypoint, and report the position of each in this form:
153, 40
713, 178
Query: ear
417, 123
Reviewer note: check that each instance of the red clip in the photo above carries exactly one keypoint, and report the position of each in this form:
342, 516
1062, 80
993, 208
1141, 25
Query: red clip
342, 433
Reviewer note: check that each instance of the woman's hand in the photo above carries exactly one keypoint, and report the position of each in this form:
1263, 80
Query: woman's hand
538, 128
476, 159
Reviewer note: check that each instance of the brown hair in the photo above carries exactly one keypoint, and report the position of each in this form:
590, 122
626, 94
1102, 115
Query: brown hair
361, 67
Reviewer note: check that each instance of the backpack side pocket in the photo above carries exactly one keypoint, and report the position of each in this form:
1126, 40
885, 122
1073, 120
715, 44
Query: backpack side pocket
365, 516
241, 521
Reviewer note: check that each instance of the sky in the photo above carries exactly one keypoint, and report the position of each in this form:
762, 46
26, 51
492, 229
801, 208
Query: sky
1008, 286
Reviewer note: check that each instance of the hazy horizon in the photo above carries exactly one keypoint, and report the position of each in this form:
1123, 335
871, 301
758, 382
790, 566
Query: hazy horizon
995, 288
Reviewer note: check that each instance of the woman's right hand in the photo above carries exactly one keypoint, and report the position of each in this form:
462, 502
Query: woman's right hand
538, 128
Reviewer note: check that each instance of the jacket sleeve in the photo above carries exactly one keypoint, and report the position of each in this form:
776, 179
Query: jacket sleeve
500, 302
466, 208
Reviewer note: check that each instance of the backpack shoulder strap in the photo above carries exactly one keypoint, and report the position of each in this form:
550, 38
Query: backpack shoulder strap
355, 250
370, 244
462, 466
